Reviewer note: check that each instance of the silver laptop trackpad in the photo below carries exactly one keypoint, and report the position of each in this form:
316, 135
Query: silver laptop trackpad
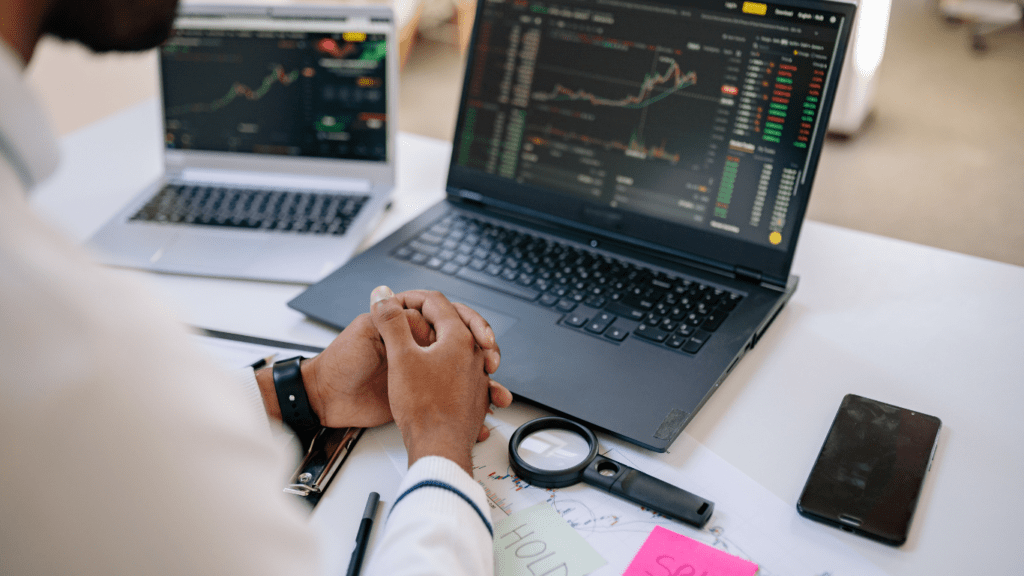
205, 254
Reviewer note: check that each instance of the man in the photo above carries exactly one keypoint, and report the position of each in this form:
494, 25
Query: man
122, 450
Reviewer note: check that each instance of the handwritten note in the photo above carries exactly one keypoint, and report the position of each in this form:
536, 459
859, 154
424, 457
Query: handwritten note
666, 553
536, 541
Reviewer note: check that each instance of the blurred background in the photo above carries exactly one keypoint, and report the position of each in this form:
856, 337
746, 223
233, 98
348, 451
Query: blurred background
931, 151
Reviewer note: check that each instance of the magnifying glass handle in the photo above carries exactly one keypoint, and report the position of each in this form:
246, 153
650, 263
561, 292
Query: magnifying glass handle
648, 491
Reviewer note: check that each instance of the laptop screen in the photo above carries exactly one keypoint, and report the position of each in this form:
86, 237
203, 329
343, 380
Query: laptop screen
289, 87
648, 118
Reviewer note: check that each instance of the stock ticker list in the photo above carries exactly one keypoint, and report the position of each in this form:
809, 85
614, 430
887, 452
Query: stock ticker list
697, 116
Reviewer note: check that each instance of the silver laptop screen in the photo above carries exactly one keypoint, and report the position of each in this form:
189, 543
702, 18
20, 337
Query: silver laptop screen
275, 89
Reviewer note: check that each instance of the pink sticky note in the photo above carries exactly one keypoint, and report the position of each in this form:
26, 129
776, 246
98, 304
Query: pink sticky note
666, 553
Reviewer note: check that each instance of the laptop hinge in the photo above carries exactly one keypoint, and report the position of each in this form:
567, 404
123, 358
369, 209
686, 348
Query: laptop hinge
752, 276
471, 197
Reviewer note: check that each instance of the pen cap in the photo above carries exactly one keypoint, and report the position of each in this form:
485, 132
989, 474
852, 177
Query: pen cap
371, 505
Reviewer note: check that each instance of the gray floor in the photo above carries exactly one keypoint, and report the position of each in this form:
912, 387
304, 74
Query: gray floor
941, 161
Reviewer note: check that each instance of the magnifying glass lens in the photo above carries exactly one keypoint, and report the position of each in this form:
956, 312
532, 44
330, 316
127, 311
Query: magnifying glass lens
553, 449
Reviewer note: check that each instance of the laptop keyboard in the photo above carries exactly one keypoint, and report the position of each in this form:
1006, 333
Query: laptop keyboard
599, 295
284, 210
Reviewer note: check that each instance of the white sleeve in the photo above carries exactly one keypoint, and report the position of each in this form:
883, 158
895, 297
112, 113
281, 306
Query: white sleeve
439, 525
125, 449
245, 378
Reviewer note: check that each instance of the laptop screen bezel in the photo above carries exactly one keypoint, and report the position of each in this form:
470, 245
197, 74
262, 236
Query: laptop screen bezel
705, 247
374, 18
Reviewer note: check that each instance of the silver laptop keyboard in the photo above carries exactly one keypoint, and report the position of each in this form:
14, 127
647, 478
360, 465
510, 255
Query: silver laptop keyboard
287, 211
599, 295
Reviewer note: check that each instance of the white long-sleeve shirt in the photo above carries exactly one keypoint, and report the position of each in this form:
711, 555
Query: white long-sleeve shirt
123, 450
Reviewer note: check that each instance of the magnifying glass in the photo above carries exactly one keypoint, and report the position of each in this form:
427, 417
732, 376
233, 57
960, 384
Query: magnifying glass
554, 452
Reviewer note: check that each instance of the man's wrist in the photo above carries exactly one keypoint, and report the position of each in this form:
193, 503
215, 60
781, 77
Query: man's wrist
268, 389
310, 380
432, 443
265, 382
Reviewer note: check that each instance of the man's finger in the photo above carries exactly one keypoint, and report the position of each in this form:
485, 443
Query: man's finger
442, 315
500, 396
390, 320
482, 333
422, 332
434, 306
412, 299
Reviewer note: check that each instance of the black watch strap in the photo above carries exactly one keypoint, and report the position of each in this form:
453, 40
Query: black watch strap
291, 395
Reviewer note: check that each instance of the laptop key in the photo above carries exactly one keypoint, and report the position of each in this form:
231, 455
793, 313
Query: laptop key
600, 322
425, 248
713, 321
575, 319
430, 238
675, 341
626, 311
548, 299
450, 268
729, 302
616, 333
566, 305
641, 302
696, 341
649, 333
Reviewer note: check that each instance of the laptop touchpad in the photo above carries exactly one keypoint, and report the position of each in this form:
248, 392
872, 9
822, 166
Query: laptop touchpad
210, 255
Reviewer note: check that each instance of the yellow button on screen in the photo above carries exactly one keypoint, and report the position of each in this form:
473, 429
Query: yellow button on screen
354, 36
775, 238
755, 8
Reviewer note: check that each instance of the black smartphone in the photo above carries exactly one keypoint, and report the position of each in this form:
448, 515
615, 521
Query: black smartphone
869, 473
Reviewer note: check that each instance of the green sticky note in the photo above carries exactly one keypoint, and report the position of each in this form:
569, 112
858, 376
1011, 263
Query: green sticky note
536, 541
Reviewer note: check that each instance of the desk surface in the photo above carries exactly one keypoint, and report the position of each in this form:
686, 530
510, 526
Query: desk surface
919, 327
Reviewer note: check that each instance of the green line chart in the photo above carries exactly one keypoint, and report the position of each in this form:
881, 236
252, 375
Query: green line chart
277, 75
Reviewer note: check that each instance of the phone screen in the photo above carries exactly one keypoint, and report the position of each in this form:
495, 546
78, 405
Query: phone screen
869, 474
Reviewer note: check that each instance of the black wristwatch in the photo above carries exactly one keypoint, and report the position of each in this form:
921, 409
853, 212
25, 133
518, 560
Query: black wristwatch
291, 395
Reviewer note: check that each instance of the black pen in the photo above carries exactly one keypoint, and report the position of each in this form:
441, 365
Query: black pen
363, 534
263, 361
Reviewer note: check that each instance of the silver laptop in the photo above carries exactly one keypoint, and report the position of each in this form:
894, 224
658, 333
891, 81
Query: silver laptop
279, 144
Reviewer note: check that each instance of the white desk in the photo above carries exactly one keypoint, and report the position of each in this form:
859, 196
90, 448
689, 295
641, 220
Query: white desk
914, 326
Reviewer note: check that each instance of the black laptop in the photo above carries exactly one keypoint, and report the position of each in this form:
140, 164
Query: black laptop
627, 183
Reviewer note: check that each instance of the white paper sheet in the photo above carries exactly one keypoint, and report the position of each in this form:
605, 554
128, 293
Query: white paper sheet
749, 521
